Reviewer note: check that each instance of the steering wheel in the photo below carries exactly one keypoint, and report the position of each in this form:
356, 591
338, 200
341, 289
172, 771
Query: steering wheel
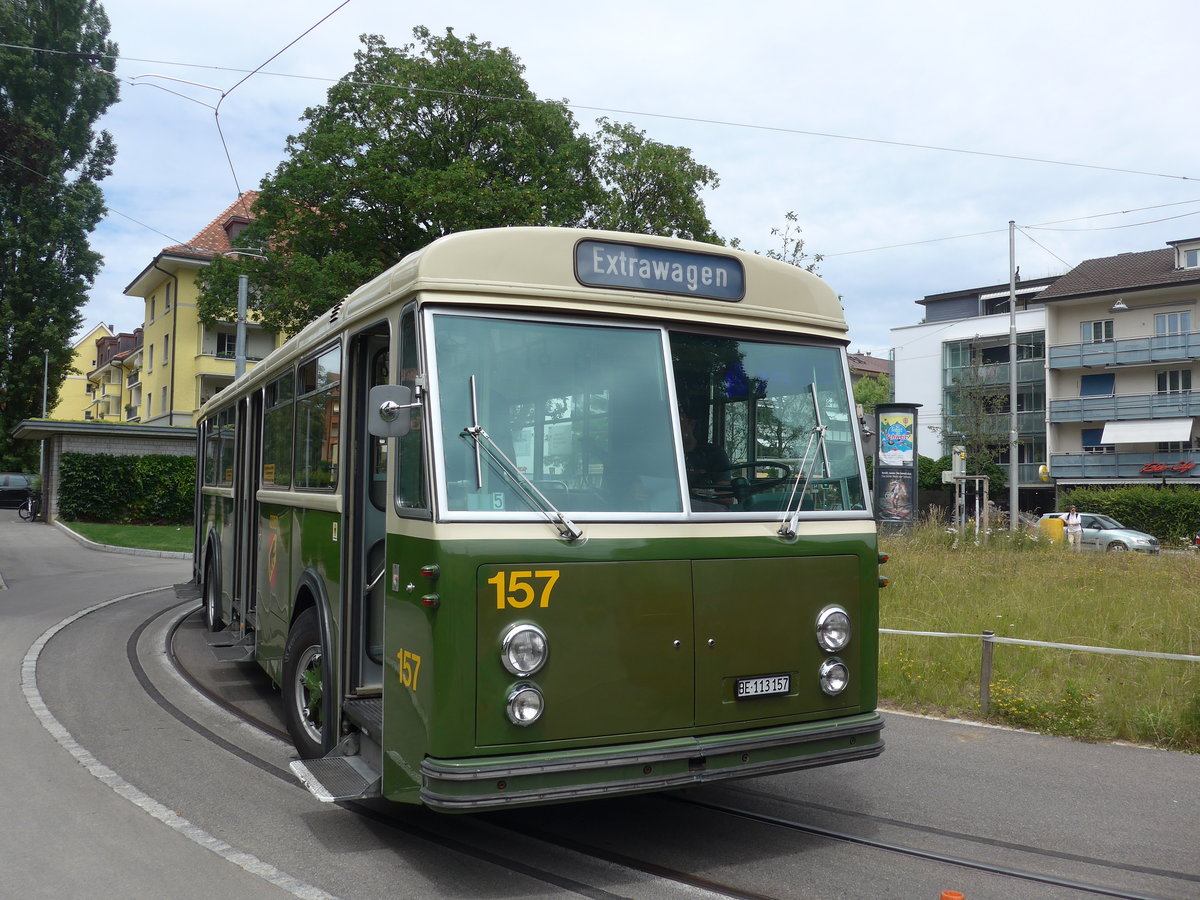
742, 486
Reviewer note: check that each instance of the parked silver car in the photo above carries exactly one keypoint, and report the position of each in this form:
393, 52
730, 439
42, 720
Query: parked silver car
1105, 533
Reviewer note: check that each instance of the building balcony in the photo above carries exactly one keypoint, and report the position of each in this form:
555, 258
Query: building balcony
1169, 466
1143, 351
1029, 424
1029, 371
1125, 406
131, 414
135, 377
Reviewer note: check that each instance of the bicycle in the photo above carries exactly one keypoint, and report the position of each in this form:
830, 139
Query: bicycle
31, 507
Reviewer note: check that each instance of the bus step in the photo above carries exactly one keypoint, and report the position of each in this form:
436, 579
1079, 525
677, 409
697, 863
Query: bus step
338, 777
228, 637
234, 652
367, 714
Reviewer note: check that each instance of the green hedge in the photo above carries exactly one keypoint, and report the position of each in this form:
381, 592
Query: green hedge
132, 490
1171, 514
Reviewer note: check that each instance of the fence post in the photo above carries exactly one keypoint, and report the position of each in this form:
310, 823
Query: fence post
985, 672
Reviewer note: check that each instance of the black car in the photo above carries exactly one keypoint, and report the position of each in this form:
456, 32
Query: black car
14, 488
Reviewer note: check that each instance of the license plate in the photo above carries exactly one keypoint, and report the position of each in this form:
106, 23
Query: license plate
762, 686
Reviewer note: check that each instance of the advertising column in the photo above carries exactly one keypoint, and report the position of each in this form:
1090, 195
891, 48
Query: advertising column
896, 464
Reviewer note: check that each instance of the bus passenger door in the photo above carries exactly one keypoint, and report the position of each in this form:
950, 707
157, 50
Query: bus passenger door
366, 518
249, 442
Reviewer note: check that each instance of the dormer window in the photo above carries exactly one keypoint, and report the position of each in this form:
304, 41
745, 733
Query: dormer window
1187, 253
234, 227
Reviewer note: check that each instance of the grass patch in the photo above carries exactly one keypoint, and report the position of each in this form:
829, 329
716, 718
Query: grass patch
145, 537
1031, 590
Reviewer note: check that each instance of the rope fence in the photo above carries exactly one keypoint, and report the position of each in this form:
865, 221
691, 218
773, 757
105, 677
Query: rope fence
989, 640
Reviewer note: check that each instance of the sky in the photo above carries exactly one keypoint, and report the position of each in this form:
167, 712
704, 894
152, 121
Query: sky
827, 109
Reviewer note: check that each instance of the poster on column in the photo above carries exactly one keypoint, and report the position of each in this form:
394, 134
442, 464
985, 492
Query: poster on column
896, 463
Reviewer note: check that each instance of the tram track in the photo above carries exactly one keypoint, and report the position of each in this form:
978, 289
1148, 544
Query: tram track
518, 824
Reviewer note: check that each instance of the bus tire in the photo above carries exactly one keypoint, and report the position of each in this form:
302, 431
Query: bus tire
212, 598
304, 701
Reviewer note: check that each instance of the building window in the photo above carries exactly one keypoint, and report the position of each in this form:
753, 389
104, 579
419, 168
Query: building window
1191, 259
1174, 446
166, 348
1091, 441
164, 399
1098, 332
1173, 381
1103, 385
152, 302
167, 300
226, 345
1173, 323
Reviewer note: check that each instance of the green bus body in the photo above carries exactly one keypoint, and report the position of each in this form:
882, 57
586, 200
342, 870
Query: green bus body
651, 619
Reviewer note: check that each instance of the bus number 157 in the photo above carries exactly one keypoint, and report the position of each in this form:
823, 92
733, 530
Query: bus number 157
519, 589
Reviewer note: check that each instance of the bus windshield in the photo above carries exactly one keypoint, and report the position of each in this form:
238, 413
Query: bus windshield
613, 419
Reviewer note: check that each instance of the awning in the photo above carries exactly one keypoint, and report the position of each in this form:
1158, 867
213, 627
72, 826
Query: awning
1145, 431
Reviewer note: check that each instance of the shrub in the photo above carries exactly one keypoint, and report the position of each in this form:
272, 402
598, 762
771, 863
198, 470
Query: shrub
134, 490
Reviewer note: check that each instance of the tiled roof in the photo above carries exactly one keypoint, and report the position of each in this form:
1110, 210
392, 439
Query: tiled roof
1126, 271
213, 238
867, 364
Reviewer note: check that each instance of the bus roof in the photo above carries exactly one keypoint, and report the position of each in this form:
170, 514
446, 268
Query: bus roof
569, 269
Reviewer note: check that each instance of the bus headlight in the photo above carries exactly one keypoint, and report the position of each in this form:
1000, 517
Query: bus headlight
834, 676
833, 629
524, 649
525, 703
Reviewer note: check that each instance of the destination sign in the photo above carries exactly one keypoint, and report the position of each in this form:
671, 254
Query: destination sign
638, 268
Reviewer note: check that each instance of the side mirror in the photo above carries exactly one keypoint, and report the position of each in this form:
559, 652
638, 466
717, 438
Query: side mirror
389, 410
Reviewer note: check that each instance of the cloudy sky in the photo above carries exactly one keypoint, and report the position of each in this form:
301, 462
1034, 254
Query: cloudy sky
825, 108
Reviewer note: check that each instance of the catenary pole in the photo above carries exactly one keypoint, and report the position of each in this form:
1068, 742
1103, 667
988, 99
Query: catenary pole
1014, 469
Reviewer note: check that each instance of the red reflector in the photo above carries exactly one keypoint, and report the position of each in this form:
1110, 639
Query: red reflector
883, 557
883, 582
431, 600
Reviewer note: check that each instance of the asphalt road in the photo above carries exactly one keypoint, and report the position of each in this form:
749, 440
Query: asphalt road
121, 780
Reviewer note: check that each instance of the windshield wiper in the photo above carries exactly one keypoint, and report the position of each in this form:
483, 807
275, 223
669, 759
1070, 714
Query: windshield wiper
787, 528
567, 529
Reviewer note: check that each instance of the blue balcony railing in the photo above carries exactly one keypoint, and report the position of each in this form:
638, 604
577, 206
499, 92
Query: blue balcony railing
1164, 348
1171, 466
1182, 404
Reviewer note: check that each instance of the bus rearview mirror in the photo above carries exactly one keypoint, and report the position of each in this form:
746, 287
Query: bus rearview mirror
389, 410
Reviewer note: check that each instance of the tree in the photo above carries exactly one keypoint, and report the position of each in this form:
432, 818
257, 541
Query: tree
871, 390
416, 142
52, 161
439, 136
648, 187
975, 416
792, 249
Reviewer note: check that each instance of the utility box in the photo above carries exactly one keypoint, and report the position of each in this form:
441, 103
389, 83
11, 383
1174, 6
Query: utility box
1053, 528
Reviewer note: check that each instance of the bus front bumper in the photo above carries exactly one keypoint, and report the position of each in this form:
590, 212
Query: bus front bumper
470, 785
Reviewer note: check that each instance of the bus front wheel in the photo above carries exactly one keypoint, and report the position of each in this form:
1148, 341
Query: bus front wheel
304, 686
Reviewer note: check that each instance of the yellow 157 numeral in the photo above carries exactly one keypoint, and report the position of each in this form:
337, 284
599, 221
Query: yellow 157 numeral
410, 668
517, 591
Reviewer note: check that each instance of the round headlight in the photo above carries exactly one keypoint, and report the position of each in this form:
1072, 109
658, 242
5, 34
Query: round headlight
524, 649
833, 629
525, 704
834, 676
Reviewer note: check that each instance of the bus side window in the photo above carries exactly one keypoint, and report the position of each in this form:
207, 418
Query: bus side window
410, 458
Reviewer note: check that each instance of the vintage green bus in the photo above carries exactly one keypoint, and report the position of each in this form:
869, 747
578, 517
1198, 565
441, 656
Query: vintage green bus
543, 514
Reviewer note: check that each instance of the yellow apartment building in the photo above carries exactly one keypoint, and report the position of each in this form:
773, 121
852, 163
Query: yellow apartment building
74, 398
182, 362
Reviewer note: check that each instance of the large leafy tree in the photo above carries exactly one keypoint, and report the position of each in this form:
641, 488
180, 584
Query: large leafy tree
52, 160
416, 142
439, 136
649, 187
